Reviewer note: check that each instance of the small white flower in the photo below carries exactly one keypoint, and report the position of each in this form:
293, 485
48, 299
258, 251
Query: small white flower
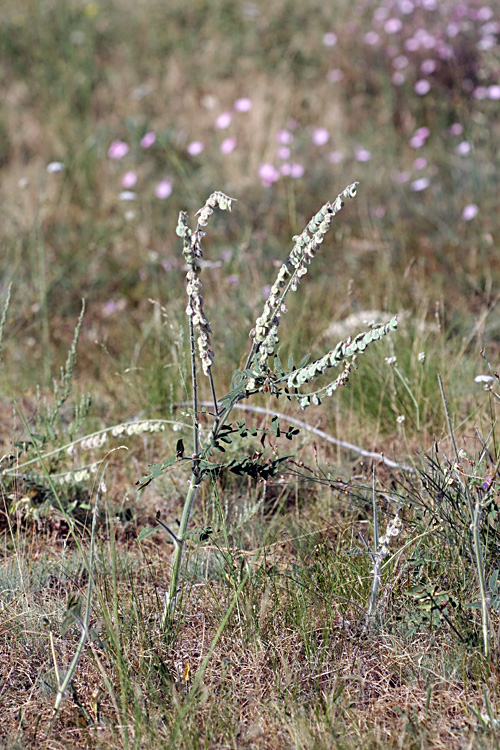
55, 166
421, 357
484, 379
400, 419
391, 361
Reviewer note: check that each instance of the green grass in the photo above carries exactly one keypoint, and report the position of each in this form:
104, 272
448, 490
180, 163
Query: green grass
269, 647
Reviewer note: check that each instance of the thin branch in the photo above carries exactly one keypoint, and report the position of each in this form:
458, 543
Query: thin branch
315, 431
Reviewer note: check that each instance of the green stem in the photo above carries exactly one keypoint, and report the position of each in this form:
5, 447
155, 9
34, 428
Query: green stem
410, 393
477, 549
171, 597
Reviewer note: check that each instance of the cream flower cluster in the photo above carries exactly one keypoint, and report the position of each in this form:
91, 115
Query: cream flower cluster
394, 528
306, 245
192, 252
224, 202
138, 428
76, 477
343, 350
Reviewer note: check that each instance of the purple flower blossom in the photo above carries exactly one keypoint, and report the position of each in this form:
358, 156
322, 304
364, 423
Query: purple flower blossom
361, 154
400, 62
223, 121
148, 139
422, 87
445, 52
463, 148
164, 189
243, 105
233, 280
110, 307
286, 170
412, 44
283, 152
480, 93
330, 39
421, 184
118, 150
420, 163
320, 136
335, 157
419, 137
284, 137
228, 145
487, 483
129, 179
494, 92
484, 14
371, 38
296, 171
195, 148
456, 129
268, 174
470, 212
393, 25
398, 78
486, 43
406, 6
428, 66
380, 14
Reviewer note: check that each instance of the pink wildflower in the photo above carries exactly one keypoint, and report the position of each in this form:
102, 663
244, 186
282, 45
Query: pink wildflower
118, 150
195, 148
470, 212
227, 146
163, 189
243, 105
223, 121
148, 140
129, 179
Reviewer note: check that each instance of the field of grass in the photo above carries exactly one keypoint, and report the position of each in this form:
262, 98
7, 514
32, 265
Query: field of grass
340, 582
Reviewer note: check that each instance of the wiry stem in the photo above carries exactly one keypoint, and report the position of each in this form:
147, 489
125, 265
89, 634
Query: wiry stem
197, 322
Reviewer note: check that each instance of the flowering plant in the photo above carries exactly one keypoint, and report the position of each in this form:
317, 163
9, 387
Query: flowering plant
261, 374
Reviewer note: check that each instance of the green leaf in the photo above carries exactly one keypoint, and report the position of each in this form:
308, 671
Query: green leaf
493, 582
278, 367
303, 362
290, 362
146, 533
275, 424
156, 471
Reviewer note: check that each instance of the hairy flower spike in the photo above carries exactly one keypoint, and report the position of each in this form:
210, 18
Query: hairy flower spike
306, 245
192, 253
343, 352
224, 202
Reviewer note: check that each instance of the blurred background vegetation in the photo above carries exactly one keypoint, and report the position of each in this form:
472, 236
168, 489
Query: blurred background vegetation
402, 96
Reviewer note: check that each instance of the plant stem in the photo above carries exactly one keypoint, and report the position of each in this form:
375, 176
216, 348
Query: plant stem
194, 483
477, 550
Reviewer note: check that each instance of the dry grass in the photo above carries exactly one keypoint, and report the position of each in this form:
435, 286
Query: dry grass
269, 683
